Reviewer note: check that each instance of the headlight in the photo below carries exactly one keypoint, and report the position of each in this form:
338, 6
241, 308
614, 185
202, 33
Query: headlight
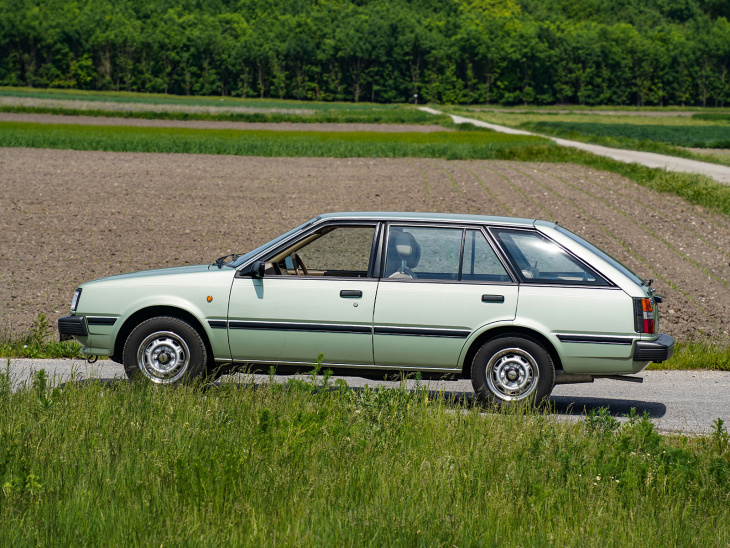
75, 300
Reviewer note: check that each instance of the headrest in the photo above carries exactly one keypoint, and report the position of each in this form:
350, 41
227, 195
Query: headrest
407, 248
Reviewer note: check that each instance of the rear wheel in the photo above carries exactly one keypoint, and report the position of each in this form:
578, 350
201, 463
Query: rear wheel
165, 350
512, 368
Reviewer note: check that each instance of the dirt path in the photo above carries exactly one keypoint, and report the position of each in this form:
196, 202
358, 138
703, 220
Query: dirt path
71, 216
202, 124
649, 159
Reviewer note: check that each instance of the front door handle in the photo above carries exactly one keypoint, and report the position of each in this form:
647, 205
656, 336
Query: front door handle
356, 293
492, 298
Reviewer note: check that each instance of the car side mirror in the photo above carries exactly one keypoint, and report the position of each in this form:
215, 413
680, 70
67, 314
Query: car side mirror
258, 269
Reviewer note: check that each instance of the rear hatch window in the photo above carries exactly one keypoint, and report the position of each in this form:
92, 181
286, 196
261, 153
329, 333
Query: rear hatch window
602, 254
539, 260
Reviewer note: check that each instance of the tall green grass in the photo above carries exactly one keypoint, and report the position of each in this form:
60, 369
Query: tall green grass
130, 464
451, 145
697, 355
36, 342
683, 136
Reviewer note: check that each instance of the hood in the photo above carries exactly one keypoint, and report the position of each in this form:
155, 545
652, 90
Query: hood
159, 272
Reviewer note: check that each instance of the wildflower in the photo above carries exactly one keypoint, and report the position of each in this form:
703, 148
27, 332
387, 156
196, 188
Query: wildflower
598, 478
617, 481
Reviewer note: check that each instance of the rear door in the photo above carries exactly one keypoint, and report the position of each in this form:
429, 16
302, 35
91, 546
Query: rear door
438, 285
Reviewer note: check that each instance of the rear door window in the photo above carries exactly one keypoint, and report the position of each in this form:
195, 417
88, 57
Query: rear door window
440, 253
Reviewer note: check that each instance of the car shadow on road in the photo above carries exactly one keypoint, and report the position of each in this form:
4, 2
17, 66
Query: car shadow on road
572, 405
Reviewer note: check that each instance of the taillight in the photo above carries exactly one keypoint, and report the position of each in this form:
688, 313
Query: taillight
644, 320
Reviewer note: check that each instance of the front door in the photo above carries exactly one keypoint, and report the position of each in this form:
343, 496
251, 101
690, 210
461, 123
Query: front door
316, 297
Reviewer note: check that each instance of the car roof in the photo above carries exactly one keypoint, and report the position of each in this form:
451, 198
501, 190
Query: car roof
415, 216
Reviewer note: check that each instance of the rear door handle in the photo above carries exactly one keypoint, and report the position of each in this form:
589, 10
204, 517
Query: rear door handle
351, 293
492, 298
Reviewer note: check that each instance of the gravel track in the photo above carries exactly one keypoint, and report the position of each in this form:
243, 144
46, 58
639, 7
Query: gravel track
720, 173
71, 216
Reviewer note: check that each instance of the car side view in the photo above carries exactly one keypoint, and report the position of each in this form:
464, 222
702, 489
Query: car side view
516, 305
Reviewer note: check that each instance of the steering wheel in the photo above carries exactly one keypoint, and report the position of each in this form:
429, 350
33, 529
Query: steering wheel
296, 259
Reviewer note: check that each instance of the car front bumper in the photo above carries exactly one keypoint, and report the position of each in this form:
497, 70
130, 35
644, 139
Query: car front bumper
68, 326
658, 350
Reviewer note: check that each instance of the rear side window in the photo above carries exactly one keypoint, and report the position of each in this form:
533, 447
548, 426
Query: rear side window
539, 260
438, 253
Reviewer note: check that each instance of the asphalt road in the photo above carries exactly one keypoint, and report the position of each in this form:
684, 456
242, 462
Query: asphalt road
718, 172
677, 401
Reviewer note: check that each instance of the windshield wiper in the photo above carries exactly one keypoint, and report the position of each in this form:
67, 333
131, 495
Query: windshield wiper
220, 261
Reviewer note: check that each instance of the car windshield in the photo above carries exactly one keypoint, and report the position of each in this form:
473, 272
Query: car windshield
246, 256
602, 254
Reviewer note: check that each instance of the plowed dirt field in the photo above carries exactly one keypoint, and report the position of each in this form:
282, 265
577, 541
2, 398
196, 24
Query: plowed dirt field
69, 216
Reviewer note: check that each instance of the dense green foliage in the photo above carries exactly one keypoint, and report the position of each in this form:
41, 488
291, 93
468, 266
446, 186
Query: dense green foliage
655, 52
257, 465
683, 136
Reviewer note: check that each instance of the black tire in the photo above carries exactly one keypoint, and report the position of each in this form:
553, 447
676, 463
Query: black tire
165, 350
512, 368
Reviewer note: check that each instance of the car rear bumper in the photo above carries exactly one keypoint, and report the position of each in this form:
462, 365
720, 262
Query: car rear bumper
658, 350
68, 326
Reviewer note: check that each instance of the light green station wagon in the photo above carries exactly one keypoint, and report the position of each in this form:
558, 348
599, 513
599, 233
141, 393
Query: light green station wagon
517, 305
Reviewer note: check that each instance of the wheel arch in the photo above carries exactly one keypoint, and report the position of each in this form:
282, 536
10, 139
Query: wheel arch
477, 343
154, 311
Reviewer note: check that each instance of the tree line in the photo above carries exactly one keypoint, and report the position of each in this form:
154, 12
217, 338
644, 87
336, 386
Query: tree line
622, 52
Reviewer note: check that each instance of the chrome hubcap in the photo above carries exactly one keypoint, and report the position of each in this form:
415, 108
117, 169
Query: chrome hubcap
512, 374
163, 357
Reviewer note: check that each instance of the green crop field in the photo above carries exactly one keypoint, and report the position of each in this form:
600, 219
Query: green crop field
206, 101
462, 144
708, 136
174, 107
302, 465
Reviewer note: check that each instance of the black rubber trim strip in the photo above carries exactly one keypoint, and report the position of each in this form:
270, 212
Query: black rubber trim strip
658, 350
423, 332
218, 324
595, 339
309, 327
72, 325
492, 298
100, 320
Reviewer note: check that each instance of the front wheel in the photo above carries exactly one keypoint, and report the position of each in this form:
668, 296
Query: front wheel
165, 350
511, 369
